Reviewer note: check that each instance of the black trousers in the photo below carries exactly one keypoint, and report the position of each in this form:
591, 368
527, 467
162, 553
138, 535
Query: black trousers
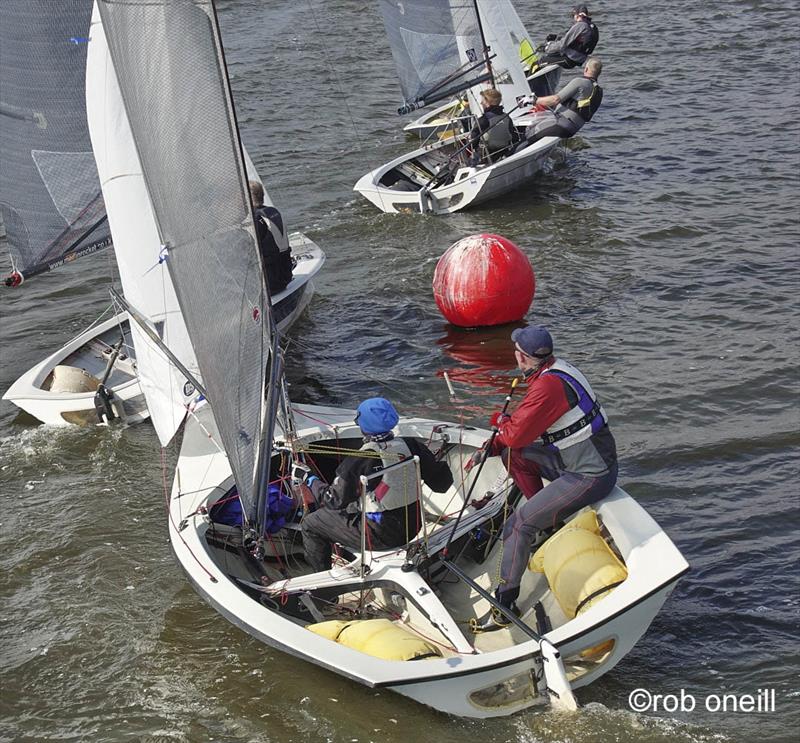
325, 526
550, 131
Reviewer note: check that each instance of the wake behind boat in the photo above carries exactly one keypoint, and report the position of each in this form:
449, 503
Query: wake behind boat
397, 618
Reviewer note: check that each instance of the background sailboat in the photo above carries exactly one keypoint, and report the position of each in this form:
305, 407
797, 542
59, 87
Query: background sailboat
442, 49
54, 212
245, 435
505, 35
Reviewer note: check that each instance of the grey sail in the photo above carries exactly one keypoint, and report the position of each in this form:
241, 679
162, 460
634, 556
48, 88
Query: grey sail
171, 73
437, 47
50, 197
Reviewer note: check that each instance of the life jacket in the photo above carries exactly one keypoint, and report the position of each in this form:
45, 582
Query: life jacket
582, 420
499, 135
587, 40
587, 107
594, 37
399, 486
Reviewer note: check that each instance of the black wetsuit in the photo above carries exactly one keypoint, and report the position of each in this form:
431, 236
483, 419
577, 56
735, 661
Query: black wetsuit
274, 245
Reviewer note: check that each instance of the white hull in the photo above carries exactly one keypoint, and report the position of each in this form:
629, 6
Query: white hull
439, 121
31, 393
471, 186
483, 675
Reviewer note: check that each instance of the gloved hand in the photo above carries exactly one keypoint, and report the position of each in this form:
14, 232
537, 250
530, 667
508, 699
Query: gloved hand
498, 419
551, 37
478, 456
307, 492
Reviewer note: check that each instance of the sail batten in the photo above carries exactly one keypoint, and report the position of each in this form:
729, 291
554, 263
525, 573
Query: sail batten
50, 198
170, 69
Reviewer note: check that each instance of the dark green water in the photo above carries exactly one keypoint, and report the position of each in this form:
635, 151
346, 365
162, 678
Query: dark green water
664, 245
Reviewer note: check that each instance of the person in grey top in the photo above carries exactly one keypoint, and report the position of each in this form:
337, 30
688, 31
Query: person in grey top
572, 48
571, 107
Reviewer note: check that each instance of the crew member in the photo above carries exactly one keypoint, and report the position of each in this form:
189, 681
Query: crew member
559, 432
570, 108
494, 128
273, 242
572, 48
393, 508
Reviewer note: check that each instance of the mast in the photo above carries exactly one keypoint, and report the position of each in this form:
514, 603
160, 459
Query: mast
268, 409
486, 50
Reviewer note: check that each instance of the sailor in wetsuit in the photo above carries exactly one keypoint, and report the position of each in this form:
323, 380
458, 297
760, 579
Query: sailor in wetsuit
276, 255
572, 48
494, 128
573, 106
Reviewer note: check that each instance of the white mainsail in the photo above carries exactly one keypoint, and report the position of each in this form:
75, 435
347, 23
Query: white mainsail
143, 271
503, 32
170, 68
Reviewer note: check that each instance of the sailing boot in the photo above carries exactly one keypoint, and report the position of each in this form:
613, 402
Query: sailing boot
495, 619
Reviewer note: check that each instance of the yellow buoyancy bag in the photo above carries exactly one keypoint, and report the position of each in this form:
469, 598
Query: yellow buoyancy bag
580, 567
377, 637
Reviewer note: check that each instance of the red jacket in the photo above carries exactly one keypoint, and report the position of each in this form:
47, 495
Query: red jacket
544, 403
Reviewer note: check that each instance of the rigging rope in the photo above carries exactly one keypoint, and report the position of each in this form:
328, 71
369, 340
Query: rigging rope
342, 95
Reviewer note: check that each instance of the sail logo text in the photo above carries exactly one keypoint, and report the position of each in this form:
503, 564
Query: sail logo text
642, 700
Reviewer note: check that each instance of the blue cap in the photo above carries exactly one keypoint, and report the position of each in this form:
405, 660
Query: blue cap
376, 415
535, 340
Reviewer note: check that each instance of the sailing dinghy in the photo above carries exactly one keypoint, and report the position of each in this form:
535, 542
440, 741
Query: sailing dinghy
498, 17
54, 212
397, 619
441, 49
62, 389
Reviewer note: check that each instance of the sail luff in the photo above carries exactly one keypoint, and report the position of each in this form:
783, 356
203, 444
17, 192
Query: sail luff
170, 68
504, 33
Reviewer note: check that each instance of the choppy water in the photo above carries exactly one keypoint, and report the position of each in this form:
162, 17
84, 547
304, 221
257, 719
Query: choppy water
664, 245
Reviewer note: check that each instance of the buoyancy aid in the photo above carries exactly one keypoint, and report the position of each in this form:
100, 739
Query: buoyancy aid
399, 486
587, 39
499, 135
587, 107
581, 421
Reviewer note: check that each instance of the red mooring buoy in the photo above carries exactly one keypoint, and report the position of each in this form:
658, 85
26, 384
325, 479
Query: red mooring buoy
483, 280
